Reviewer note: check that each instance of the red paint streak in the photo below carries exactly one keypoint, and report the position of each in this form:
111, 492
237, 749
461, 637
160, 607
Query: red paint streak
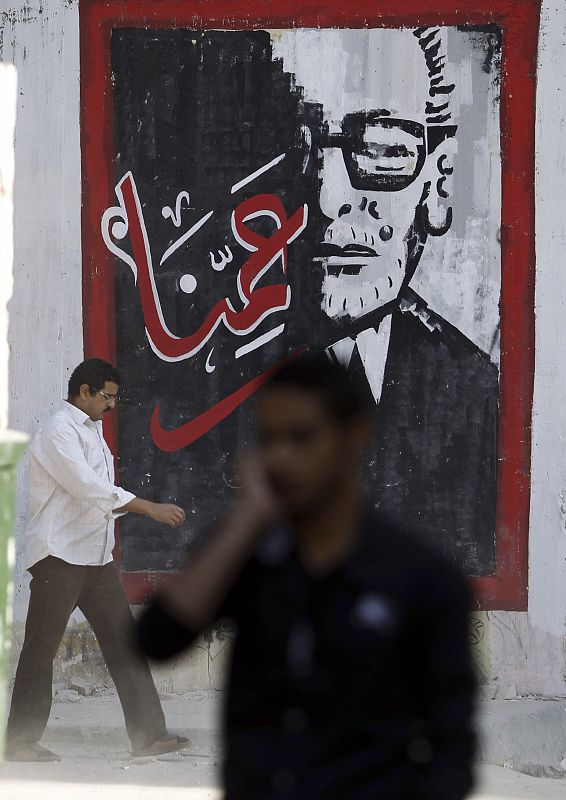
519, 21
257, 301
188, 433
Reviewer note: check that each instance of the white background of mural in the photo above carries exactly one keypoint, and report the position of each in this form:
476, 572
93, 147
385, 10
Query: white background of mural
46, 317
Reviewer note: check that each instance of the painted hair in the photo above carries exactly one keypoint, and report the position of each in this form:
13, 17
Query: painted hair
437, 108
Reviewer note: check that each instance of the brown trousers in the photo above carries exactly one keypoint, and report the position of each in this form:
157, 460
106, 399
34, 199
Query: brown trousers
57, 588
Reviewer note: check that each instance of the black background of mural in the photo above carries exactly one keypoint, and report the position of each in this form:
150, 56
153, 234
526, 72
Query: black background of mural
197, 112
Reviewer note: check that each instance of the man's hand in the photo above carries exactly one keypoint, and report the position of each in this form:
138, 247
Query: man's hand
195, 595
167, 514
258, 500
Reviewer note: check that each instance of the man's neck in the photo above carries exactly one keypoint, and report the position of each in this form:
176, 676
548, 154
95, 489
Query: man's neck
73, 401
328, 535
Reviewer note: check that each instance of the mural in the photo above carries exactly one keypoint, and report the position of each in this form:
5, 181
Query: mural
272, 189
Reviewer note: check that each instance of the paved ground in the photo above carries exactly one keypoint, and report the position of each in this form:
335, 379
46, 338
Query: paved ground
97, 766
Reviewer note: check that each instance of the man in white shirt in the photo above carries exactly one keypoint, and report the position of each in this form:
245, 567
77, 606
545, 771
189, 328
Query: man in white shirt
73, 503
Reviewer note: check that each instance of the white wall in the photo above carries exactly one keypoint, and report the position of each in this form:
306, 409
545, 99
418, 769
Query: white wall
7, 123
523, 652
40, 37
543, 637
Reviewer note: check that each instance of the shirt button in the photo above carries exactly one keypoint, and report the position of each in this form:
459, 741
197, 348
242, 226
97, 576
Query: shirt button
284, 781
295, 720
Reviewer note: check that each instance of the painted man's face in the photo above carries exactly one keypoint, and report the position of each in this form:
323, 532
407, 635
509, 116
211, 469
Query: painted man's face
372, 86
364, 250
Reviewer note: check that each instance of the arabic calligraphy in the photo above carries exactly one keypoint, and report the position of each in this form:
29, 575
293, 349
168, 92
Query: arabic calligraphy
258, 301
188, 283
209, 367
223, 259
185, 237
175, 216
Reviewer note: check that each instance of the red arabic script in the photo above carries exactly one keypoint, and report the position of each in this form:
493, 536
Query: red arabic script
258, 302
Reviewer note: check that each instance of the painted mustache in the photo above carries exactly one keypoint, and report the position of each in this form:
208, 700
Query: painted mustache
354, 249
346, 260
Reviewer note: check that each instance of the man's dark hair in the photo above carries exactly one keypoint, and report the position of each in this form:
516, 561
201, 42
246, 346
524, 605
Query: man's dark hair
95, 372
341, 393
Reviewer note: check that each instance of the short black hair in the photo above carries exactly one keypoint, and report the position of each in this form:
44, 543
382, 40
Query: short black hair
341, 393
95, 372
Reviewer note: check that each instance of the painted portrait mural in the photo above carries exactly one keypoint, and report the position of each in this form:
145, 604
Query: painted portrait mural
256, 190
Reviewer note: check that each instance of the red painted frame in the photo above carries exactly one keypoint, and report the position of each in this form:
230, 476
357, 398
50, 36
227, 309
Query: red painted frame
519, 21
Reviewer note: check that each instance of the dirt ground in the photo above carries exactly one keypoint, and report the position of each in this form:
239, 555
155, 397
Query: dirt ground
193, 777
88, 732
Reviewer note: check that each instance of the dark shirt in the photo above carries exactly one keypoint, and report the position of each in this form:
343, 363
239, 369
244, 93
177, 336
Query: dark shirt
355, 686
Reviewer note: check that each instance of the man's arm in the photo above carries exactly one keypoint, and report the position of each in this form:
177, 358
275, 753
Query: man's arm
63, 458
447, 685
167, 513
194, 598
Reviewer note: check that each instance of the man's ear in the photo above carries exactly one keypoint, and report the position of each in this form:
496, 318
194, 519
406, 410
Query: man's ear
440, 170
84, 391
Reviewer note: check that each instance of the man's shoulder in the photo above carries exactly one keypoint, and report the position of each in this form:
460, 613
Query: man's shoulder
59, 423
408, 557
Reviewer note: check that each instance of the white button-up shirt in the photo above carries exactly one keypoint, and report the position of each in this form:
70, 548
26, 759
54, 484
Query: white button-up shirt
73, 499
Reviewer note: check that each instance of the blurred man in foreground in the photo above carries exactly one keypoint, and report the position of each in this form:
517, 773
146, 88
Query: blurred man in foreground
351, 677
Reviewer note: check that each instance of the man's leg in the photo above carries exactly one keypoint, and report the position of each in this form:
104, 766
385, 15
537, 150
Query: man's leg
55, 588
105, 606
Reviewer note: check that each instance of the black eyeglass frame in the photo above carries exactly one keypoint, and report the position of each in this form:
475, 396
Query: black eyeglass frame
351, 142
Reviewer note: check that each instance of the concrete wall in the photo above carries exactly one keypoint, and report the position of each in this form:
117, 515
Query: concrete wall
42, 40
7, 124
519, 652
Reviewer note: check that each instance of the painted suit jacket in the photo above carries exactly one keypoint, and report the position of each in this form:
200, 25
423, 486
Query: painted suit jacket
433, 469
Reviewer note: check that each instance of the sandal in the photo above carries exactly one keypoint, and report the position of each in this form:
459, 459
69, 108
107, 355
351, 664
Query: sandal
34, 753
161, 746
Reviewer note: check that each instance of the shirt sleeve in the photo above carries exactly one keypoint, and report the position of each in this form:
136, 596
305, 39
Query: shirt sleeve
161, 635
62, 456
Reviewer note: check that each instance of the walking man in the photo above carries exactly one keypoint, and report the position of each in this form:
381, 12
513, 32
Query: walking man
73, 504
351, 676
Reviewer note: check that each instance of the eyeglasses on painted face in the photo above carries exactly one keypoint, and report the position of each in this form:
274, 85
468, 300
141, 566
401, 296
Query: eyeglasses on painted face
110, 398
382, 154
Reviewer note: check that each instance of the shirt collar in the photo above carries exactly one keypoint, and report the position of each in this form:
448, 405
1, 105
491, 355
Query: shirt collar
358, 566
79, 416
373, 346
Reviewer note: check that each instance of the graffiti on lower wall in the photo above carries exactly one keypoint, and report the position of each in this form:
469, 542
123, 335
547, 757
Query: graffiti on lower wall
280, 189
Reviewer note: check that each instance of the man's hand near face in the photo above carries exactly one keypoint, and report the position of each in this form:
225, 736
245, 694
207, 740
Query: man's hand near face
257, 498
196, 594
